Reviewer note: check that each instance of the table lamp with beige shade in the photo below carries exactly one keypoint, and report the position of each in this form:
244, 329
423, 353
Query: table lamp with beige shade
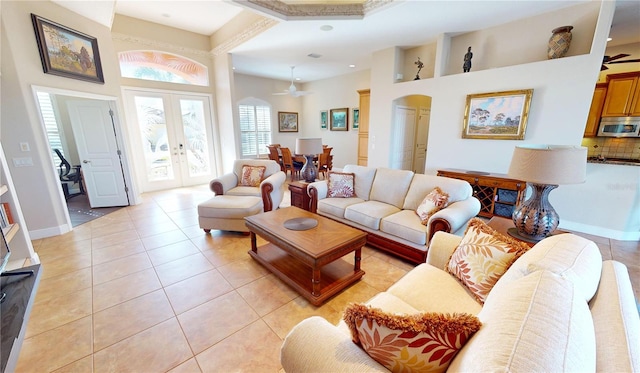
544, 168
309, 147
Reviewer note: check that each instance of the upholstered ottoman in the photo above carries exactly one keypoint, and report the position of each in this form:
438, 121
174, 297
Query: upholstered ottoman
227, 213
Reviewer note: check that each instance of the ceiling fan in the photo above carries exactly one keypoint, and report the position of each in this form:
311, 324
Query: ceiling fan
608, 60
292, 89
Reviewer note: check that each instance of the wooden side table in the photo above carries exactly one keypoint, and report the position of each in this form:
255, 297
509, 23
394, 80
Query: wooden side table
299, 196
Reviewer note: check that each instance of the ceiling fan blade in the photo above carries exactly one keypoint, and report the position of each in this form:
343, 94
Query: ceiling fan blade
617, 56
626, 61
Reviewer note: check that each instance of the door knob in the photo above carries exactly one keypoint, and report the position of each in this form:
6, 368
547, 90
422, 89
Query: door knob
85, 161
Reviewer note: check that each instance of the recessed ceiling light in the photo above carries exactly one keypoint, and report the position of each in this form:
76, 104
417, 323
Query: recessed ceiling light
314, 55
326, 27
166, 15
352, 66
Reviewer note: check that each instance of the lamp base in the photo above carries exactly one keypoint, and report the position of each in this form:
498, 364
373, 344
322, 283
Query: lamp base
308, 171
536, 219
513, 232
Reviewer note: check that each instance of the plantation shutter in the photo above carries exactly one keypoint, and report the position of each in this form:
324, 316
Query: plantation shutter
255, 130
50, 124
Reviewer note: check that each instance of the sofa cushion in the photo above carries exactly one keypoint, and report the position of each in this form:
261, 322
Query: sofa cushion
244, 191
364, 179
341, 185
252, 176
537, 323
458, 190
434, 201
422, 342
575, 258
482, 257
405, 224
447, 296
391, 186
336, 206
369, 213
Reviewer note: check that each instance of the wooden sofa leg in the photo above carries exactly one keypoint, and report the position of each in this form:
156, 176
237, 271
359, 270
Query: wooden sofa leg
207, 230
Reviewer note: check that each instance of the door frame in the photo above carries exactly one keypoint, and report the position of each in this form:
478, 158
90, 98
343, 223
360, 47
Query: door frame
215, 143
121, 138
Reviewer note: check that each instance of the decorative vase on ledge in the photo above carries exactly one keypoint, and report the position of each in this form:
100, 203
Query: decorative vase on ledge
559, 42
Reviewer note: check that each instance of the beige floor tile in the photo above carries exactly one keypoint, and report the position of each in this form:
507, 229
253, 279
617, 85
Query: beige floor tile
149, 217
163, 239
625, 253
197, 290
286, 317
189, 366
380, 274
156, 229
174, 251
267, 294
66, 283
215, 320
226, 254
125, 288
231, 354
52, 252
110, 228
183, 268
242, 272
184, 218
358, 292
65, 265
605, 251
176, 204
114, 239
84, 365
51, 313
126, 319
56, 348
157, 349
120, 267
193, 231
117, 251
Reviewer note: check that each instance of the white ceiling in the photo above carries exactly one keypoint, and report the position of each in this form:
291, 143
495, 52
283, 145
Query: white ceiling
406, 23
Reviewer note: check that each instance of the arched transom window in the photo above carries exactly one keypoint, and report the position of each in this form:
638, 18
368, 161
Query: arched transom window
162, 67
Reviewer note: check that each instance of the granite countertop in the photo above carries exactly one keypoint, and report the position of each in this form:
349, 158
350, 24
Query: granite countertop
617, 161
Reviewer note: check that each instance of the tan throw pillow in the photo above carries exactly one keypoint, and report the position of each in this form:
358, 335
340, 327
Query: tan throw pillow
482, 257
341, 185
252, 175
423, 342
435, 201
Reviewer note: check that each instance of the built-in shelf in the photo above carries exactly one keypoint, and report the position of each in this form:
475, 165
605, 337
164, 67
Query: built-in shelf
3, 189
10, 231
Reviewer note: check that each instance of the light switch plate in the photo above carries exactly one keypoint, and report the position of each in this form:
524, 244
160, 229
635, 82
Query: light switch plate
24, 146
23, 162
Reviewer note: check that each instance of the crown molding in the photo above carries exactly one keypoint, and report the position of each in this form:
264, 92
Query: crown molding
286, 11
246, 34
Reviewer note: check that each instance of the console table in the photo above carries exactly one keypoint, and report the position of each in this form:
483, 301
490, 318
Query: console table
20, 293
498, 194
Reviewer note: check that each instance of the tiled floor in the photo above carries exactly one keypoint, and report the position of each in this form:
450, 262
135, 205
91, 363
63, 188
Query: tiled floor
143, 289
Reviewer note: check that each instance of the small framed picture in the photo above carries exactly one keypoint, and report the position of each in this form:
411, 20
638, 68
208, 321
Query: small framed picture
339, 119
323, 119
66, 52
287, 122
497, 115
356, 118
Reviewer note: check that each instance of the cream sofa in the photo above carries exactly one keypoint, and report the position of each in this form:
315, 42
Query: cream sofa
558, 308
385, 204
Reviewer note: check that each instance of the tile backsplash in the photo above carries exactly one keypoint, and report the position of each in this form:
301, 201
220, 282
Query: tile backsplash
612, 147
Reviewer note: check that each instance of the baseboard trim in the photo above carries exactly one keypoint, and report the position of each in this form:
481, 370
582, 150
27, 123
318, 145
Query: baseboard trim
49, 232
600, 231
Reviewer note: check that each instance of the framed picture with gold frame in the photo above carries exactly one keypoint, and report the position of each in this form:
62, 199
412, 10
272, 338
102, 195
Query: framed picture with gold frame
497, 115
339, 119
287, 122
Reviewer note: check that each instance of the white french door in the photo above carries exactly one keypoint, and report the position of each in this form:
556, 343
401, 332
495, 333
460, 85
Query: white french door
173, 133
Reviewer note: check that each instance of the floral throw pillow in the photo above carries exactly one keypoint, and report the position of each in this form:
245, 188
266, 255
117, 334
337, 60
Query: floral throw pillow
423, 342
252, 175
435, 201
482, 257
341, 185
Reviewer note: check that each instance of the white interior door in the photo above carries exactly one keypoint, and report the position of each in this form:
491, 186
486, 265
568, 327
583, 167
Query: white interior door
174, 133
404, 127
422, 134
94, 132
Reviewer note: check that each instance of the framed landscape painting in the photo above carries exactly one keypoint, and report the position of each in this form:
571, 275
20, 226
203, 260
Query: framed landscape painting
66, 52
356, 118
498, 115
339, 119
287, 122
323, 119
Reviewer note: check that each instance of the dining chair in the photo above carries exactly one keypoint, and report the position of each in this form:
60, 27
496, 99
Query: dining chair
327, 151
289, 164
323, 164
274, 156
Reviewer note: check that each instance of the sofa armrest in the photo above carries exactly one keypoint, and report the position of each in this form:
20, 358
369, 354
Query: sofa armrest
222, 184
441, 247
314, 345
272, 190
453, 217
317, 191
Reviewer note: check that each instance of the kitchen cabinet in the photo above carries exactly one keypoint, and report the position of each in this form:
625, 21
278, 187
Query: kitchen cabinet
623, 95
599, 95
498, 194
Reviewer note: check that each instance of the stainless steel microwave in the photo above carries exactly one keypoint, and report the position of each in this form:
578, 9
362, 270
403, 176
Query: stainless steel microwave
620, 127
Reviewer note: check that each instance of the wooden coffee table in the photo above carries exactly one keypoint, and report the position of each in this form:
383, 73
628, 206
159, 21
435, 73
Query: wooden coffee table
307, 260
